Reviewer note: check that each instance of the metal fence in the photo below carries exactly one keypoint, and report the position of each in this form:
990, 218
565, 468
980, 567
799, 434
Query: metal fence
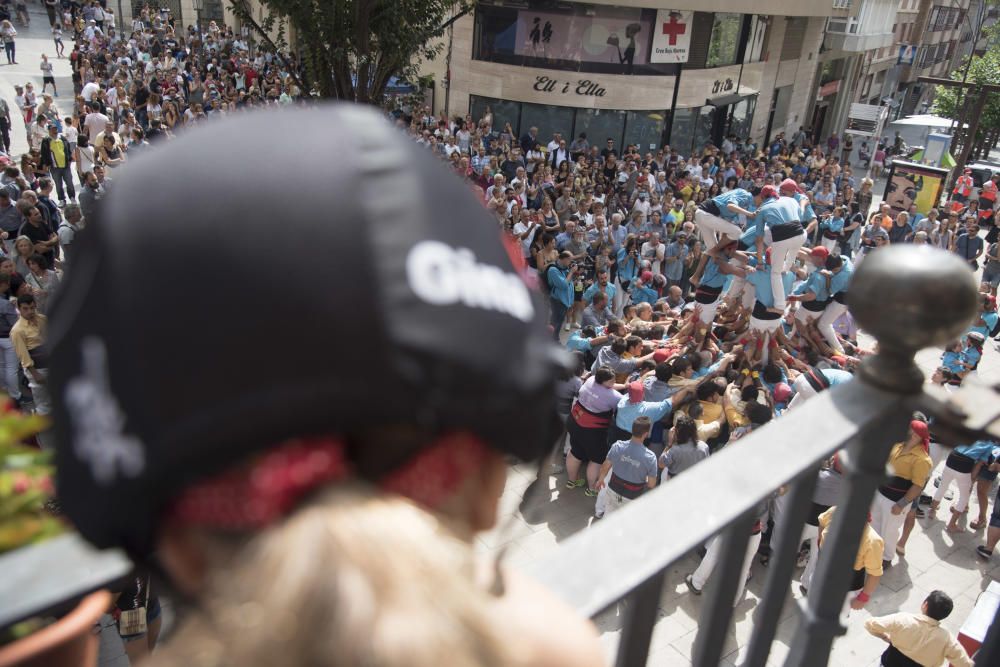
908, 298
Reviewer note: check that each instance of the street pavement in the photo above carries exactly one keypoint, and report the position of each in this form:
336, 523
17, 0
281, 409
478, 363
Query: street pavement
31, 43
935, 558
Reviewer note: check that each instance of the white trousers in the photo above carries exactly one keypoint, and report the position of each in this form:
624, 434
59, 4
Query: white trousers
608, 501
810, 533
782, 255
711, 559
965, 483
832, 313
889, 526
830, 244
712, 228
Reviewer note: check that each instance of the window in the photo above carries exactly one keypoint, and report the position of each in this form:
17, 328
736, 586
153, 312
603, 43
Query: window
547, 119
567, 36
645, 129
724, 43
682, 130
599, 124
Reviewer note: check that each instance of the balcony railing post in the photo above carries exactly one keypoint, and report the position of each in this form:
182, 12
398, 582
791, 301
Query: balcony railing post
786, 552
640, 617
713, 622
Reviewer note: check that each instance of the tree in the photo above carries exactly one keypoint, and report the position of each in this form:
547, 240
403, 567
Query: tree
984, 69
350, 49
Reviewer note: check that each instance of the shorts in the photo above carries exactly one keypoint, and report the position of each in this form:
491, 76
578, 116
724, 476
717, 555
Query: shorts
593, 447
47, 80
986, 475
992, 279
995, 516
577, 296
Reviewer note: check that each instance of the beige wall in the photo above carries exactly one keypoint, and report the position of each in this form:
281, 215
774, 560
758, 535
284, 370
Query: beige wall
776, 7
640, 93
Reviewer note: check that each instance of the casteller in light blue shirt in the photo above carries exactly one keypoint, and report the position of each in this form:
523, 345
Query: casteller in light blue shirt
780, 211
738, 196
628, 411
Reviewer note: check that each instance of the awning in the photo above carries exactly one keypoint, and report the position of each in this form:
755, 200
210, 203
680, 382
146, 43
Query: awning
726, 100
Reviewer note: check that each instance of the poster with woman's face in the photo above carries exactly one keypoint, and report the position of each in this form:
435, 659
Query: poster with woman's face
910, 183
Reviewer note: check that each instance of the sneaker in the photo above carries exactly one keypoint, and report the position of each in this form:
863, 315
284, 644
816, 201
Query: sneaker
598, 517
55, 94
886, 564
689, 581
567, 326
576, 483
983, 552
590, 493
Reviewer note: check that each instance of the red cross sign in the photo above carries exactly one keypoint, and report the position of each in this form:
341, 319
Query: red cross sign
674, 29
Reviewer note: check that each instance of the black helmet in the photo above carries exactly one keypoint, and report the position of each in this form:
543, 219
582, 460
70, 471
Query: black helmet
226, 298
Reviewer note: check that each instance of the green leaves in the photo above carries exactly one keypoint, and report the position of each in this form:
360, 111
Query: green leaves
352, 48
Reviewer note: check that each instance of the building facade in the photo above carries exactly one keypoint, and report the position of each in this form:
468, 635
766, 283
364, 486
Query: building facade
634, 71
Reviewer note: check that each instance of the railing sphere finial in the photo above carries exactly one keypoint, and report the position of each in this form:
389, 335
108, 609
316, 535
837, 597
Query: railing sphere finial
910, 297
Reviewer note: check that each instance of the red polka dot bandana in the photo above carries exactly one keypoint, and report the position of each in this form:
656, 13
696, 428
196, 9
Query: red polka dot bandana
269, 487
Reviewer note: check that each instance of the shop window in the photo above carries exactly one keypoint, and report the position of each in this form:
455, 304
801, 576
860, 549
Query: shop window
724, 43
547, 119
503, 112
568, 36
682, 130
599, 124
645, 129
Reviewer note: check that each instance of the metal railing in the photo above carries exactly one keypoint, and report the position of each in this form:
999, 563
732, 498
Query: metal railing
908, 298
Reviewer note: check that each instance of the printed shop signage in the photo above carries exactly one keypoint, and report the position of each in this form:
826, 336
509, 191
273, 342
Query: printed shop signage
582, 87
671, 36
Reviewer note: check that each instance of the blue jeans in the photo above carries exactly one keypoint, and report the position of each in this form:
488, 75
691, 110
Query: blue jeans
10, 366
557, 313
9, 48
60, 176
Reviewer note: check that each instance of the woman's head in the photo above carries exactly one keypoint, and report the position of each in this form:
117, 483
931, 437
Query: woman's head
24, 246
37, 264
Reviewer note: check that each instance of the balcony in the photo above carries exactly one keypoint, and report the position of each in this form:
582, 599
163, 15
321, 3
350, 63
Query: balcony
870, 27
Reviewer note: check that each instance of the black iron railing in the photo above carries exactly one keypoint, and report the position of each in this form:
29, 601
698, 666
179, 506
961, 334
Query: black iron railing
908, 298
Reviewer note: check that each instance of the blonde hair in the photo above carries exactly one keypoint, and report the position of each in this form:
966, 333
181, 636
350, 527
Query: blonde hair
352, 578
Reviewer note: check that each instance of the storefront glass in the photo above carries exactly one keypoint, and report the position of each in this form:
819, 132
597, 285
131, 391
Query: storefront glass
547, 119
568, 36
682, 130
631, 127
599, 124
645, 129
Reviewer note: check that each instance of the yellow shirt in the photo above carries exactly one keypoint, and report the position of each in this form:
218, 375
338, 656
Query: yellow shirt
914, 465
27, 336
920, 638
870, 550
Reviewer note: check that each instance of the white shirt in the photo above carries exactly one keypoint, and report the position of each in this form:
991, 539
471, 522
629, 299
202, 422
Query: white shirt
89, 91
95, 123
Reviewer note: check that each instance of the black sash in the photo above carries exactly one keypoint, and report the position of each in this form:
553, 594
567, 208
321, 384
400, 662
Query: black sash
761, 312
706, 294
709, 206
892, 657
626, 489
833, 236
960, 462
816, 379
815, 306
785, 230
895, 488
841, 297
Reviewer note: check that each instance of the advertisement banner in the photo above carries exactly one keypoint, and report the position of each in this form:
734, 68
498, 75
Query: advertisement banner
910, 183
617, 35
907, 54
671, 36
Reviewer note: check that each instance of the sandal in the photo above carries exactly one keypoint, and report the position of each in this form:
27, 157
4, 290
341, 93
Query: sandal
983, 552
977, 524
575, 483
590, 493
901, 551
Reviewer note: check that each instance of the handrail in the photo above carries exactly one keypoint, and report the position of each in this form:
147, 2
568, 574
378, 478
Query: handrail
909, 298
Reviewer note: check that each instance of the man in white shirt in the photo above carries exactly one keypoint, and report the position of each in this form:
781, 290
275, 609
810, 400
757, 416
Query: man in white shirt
90, 90
652, 251
95, 122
